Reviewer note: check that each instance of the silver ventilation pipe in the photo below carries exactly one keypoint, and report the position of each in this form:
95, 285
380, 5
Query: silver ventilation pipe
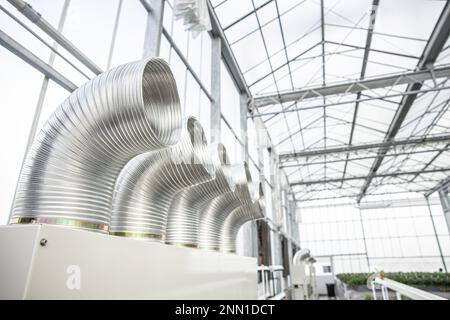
214, 214
301, 256
148, 184
184, 213
69, 174
237, 218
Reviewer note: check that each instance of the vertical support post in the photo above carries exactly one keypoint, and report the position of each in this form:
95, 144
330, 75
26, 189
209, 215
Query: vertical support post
386, 293
266, 285
243, 120
398, 295
364, 238
216, 53
333, 273
435, 234
277, 188
296, 219
282, 284
250, 238
251, 232
40, 102
271, 276
261, 142
263, 280
114, 34
291, 207
445, 203
374, 291
154, 27
254, 238
260, 284
291, 220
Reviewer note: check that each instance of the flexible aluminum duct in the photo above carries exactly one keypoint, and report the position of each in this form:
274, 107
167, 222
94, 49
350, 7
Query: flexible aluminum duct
69, 174
184, 212
237, 218
301, 256
214, 214
148, 184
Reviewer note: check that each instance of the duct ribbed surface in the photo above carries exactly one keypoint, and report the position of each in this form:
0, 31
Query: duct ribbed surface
214, 214
69, 174
237, 218
183, 220
148, 184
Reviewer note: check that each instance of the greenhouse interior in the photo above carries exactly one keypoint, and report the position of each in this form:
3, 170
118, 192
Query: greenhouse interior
225, 149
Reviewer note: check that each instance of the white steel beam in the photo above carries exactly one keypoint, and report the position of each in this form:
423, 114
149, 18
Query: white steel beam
353, 86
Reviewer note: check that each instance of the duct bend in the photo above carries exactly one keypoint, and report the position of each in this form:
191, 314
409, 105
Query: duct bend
148, 184
301, 256
183, 218
69, 174
237, 218
213, 214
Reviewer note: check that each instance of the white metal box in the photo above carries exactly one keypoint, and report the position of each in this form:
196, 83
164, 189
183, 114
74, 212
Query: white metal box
51, 262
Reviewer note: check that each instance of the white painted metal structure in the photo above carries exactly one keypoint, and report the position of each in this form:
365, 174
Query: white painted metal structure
401, 290
303, 275
51, 262
266, 288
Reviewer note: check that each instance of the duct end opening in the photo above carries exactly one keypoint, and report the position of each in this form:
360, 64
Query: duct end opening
220, 156
199, 143
161, 102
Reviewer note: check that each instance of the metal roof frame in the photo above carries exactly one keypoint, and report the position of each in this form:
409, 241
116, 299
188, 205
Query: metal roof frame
364, 90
